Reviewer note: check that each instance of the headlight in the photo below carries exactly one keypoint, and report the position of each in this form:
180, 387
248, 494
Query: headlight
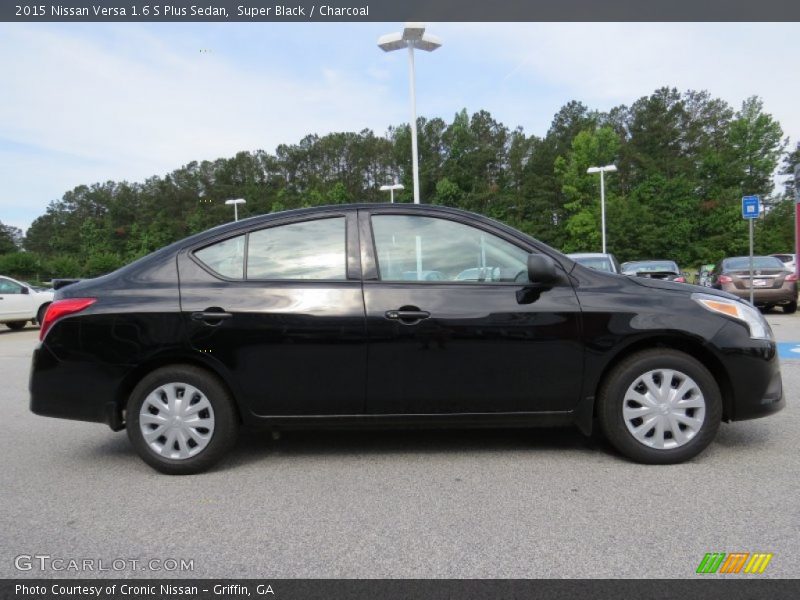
748, 314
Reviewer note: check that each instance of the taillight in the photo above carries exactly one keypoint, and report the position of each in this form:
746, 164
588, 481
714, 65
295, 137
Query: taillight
724, 279
62, 308
791, 277
680, 279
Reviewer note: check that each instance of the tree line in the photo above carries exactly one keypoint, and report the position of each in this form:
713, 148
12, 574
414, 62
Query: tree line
684, 162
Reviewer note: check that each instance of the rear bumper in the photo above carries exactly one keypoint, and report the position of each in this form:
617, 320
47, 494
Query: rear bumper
80, 391
765, 296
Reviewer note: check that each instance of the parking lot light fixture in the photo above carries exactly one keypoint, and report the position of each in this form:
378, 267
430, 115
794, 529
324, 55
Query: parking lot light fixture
391, 188
236, 202
602, 171
413, 36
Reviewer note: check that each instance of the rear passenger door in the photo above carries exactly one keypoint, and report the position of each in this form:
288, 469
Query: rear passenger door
280, 308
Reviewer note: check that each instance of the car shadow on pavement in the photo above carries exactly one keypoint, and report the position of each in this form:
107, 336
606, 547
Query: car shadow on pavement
257, 446
7, 331
745, 435
254, 447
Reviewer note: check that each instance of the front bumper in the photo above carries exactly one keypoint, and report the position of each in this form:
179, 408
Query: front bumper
753, 372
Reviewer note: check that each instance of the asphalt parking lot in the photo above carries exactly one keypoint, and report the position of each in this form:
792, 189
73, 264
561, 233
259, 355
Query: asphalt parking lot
456, 504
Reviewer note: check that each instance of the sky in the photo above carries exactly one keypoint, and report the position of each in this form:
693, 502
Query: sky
89, 102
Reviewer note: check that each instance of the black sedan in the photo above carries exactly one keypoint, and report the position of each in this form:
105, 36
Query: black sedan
394, 316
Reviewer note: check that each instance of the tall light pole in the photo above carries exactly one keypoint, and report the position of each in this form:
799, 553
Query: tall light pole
391, 188
412, 36
602, 171
236, 202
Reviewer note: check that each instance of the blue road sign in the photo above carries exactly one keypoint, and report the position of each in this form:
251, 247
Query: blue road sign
750, 207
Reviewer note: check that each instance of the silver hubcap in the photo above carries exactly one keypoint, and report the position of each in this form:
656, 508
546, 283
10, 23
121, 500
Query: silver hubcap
176, 420
664, 409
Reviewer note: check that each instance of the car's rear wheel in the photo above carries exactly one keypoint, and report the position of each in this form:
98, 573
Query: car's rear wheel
181, 420
790, 308
16, 325
660, 407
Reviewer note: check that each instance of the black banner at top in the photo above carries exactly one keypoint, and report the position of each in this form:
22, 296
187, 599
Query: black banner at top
397, 10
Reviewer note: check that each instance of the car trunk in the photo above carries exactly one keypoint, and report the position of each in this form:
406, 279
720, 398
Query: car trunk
762, 278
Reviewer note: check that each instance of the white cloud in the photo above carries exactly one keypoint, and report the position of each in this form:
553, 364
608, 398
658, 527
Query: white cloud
141, 106
604, 64
81, 104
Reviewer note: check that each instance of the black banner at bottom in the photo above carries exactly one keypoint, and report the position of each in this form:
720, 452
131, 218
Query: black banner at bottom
405, 589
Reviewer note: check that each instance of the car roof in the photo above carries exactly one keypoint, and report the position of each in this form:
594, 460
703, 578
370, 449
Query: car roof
243, 225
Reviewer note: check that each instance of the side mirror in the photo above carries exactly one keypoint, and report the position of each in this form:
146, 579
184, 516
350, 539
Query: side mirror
541, 269
25, 290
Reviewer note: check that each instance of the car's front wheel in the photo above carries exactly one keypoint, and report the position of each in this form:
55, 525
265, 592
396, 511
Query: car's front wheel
181, 419
16, 325
660, 406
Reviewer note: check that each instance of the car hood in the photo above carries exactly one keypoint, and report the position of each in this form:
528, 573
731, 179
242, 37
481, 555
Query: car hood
663, 284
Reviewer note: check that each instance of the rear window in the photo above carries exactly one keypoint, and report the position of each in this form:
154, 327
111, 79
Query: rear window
225, 258
598, 263
653, 266
313, 249
742, 263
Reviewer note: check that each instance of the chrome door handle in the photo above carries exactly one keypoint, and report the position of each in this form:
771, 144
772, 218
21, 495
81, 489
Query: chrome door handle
409, 317
210, 317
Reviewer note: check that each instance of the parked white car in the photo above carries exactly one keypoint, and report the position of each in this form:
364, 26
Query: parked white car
20, 303
788, 260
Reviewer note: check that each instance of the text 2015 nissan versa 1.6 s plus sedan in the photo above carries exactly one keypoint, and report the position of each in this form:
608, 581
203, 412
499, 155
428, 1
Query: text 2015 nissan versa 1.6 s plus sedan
394, 316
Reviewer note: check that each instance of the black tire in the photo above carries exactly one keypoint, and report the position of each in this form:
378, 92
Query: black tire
611, 400
790, 308
40, 313
225, 419
16, 325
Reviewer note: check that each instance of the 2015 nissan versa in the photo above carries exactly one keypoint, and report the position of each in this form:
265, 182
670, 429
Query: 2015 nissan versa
391, 316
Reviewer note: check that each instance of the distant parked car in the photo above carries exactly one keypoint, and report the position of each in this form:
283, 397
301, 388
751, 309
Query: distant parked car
21, 302
788, 260
597, 260
654, 269
772, 284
